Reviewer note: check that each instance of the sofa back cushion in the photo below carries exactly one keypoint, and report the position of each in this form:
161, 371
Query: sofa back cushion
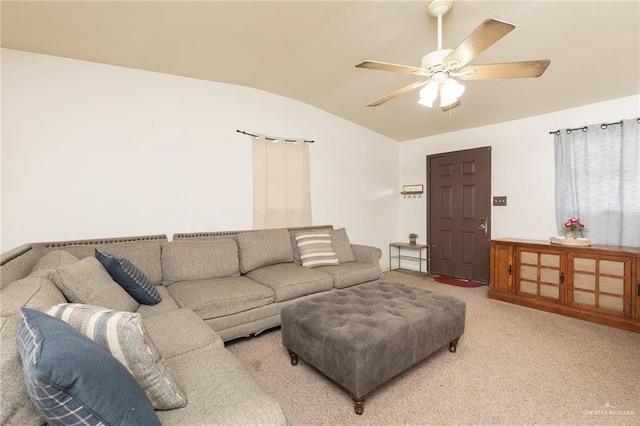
146, 255
342, 245
36, 290
50, 261
264, 248
30, 292
199, 260
88, 282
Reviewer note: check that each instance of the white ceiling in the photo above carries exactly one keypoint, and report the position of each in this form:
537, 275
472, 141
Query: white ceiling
308, 51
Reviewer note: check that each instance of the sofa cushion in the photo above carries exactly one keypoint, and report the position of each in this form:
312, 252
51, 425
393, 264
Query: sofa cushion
145, 254
31, 292
199, 260
179, 331
316, 249
124, 336
352, 273
130, 277
342, 246
218, 297
15, 404
264, 248
221, 392
50, 261
290, 280
167, 304
93, 388
88, 282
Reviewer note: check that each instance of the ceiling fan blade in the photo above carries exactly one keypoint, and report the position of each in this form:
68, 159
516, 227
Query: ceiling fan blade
397, 93
384, 66
457, 103
523, 69
477, 42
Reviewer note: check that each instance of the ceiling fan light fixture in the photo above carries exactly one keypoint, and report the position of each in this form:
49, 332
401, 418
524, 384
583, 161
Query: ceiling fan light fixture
429, 94
450, 91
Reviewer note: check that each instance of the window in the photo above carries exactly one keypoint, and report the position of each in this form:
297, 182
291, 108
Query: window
598, 180
281, 188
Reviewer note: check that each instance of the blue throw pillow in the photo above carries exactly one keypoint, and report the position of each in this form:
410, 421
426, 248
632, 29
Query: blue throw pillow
132, 279
72, 380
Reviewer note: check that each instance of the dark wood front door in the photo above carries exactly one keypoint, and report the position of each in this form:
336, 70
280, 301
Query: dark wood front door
458, 206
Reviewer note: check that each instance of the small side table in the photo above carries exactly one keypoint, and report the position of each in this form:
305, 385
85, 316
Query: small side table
412, 247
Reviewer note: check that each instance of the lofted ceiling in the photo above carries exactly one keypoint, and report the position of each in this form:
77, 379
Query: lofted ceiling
308, 51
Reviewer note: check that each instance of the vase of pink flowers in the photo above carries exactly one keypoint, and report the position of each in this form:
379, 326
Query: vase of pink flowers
573, 226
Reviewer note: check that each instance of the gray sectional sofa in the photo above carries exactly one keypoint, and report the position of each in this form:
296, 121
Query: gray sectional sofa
214, 286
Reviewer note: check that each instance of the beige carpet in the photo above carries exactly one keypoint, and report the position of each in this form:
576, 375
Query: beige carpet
514, 365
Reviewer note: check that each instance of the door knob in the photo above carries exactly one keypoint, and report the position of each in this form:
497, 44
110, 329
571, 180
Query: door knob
483, 225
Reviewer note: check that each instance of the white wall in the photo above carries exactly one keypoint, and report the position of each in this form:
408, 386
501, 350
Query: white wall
91, 150
523, 167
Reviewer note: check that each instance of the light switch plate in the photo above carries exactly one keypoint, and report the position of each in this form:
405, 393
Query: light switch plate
500, 201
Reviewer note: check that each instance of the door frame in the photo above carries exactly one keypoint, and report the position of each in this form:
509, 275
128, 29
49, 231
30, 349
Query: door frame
429, 190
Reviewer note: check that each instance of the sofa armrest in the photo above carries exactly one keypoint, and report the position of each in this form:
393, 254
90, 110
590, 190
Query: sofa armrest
366, 254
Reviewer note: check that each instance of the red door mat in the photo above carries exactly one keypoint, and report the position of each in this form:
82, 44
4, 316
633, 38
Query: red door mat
457, 282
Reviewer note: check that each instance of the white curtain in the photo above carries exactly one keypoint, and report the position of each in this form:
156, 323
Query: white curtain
281, 189
598, 181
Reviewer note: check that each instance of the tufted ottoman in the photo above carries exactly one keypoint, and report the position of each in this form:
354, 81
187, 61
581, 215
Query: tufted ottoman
362, 336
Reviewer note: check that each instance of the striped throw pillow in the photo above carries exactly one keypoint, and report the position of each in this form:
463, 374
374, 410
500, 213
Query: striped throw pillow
123, 334
316, 249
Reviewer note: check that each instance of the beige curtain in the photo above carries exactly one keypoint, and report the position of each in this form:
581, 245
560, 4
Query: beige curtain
281, 189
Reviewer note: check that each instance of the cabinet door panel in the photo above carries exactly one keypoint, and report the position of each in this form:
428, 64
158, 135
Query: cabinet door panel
586, 265
600, 283
528, 287
612, 285
539, 274
528, 273
612, 267
584, 298
610, 302
551, 276
501, 268
584, 281
550, 291
550, 260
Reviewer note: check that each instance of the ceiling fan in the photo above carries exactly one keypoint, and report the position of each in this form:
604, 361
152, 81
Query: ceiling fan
442, 67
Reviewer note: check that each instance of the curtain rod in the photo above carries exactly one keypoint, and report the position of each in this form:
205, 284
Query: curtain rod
270, 138
585, 128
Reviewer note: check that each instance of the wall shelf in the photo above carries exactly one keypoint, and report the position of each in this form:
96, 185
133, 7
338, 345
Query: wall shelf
412, 189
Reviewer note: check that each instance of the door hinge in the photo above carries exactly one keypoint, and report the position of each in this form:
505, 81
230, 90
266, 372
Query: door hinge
510, 269
638, 290
561, 277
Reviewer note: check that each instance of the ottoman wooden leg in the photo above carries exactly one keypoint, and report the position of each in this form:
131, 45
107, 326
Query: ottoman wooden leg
358, 404
453, 344
294, 357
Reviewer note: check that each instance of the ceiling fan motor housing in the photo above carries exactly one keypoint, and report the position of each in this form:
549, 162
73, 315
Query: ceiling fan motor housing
433, 61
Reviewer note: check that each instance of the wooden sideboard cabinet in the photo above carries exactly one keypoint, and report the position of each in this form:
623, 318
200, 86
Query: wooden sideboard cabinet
596, 283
